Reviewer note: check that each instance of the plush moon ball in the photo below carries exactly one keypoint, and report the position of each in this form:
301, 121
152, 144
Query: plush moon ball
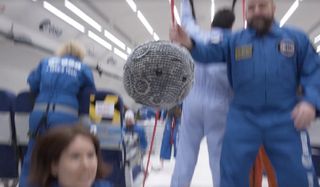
159, 74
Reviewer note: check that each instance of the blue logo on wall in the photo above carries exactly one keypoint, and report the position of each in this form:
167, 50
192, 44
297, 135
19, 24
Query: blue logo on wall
48, 27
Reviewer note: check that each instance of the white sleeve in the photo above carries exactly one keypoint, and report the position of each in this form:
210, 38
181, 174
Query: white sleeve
189, 24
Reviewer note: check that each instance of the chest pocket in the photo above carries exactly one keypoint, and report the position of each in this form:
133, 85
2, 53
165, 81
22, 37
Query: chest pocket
287, 66
242, 65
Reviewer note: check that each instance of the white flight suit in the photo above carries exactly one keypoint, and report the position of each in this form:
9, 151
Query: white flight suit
204, 109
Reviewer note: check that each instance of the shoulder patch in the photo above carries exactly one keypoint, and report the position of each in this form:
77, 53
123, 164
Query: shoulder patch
287, 47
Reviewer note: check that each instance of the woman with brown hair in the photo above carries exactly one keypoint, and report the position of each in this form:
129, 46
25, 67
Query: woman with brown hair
68, 156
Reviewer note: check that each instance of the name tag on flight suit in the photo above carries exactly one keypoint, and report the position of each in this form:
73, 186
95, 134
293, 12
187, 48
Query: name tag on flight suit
243, 52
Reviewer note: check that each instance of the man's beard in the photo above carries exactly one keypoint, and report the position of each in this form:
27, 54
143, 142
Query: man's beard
261, 24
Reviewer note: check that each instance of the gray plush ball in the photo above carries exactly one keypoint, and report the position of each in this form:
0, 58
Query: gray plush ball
159, 74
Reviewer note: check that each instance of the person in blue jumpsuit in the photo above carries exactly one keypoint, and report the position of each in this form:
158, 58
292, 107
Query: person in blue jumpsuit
56, 82
266, 65
170, 133
147, 113
205, 109
132, 127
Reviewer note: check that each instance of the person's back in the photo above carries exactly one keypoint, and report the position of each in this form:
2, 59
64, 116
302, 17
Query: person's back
56, 81
59, 79
205, 108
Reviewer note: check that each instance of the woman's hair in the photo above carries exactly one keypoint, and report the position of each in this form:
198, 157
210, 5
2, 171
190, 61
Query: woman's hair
72, 48
48, 150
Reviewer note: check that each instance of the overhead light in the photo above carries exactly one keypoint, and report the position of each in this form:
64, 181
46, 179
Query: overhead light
145, 22
132, 5
212, 10
63, 16
155, 37
291, 10
176, 15
120, 53
99, 40
129, 50
82, 15
317, 39
114, 39
318, 49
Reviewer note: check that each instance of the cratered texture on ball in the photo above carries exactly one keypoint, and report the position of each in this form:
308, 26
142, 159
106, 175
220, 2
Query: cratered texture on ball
159, 74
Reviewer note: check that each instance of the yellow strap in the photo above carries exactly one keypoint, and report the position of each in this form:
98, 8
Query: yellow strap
92, 111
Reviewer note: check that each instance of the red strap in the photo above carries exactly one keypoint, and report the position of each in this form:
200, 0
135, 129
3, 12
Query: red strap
173, 125
244, 11
172, 12
151, 147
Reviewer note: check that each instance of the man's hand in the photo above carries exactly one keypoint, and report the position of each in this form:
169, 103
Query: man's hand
303, 114
178, 35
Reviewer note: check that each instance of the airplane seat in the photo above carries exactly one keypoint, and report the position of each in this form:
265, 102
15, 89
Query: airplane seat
102, 112
315, 144
8, 148
23, 107
316, 159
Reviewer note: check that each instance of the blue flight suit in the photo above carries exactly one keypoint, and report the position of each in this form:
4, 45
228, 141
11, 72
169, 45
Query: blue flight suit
170, 138
264, 72
147, 113
141, 134
204, 111
57, 81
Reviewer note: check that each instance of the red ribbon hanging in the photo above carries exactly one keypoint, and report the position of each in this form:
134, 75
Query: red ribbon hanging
172, 12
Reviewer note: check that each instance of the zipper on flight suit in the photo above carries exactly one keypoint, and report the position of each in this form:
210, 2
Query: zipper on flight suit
264, 62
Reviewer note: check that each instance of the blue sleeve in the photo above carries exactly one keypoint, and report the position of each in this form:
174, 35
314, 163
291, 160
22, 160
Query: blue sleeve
88, 80
210, 52
143, 138
309, 62
34, 79
163, 114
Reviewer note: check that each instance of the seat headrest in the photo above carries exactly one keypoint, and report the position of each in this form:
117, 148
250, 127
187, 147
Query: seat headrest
24, 102
6, 100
